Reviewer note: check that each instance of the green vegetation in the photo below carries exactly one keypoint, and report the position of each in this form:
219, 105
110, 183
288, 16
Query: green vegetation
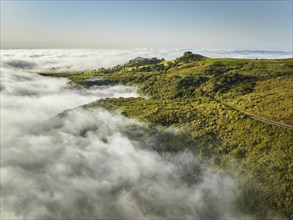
205, 97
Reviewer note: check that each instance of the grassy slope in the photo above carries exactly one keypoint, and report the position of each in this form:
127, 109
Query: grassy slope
195, 93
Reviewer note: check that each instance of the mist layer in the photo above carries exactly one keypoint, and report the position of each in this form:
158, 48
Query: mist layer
81, 164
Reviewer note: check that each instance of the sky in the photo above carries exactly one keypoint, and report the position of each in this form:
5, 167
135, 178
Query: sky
247, 25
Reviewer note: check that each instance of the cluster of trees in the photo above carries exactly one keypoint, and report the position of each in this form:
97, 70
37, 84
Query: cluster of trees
190, 57
141, 61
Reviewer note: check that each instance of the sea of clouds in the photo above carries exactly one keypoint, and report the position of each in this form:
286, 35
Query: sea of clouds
82, 59
81, 164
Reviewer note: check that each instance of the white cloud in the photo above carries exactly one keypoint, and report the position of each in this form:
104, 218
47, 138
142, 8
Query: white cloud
81, 165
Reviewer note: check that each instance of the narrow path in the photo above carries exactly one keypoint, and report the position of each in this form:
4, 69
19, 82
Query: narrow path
266, 120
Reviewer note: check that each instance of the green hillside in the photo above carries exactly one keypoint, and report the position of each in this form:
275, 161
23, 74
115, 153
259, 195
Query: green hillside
238, 113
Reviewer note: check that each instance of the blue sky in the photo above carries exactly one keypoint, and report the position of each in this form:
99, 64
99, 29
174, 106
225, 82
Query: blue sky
257, 25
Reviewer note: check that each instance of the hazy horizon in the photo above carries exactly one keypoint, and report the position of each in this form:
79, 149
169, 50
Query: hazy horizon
219, 25
154, 48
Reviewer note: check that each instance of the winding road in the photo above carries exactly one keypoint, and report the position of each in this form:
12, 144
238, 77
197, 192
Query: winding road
266, 120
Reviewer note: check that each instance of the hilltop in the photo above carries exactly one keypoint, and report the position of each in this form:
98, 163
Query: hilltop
238, 113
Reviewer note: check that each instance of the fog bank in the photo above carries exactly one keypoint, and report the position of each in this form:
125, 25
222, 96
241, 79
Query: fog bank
83, 164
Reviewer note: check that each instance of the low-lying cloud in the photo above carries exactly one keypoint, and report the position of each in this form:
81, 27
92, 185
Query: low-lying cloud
83, 59
87, 163
74, 59
81, 165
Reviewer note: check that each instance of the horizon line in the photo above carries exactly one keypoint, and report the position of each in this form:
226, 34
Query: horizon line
151, 48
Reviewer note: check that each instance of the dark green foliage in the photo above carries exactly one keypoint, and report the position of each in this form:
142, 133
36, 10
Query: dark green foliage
239, 84
216, 68
101, 82
140, 61
190, 57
